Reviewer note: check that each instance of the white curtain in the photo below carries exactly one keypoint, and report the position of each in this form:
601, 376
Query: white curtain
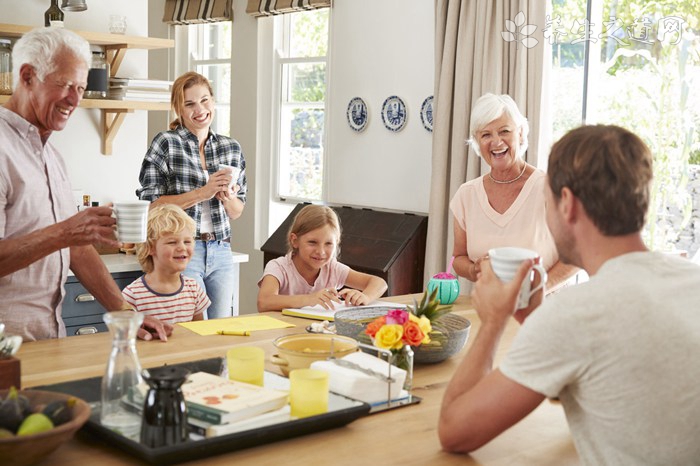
474, 54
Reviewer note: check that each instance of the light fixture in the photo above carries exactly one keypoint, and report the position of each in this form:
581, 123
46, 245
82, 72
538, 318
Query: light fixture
74, 5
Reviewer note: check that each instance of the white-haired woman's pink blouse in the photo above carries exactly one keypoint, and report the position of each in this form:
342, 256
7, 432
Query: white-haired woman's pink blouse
524, 224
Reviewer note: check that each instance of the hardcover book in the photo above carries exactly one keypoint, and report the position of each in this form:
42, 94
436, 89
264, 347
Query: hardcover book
218, 400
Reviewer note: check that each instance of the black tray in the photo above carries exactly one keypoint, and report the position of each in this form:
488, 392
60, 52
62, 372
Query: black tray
89, 390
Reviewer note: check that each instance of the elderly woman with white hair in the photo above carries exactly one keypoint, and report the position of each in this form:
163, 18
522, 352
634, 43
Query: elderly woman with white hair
505, 207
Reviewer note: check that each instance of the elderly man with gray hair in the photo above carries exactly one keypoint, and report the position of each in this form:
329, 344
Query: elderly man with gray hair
41, 235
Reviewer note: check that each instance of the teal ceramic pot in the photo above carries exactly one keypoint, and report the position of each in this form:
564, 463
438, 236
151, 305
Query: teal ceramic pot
447, 286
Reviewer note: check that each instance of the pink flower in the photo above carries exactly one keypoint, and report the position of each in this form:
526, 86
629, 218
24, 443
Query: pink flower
397, 317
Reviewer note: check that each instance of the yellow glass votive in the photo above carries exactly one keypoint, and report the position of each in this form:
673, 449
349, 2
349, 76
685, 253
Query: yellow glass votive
246, 364
308, 392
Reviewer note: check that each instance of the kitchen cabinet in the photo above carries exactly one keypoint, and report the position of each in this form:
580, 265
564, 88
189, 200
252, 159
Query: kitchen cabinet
82, 314
115, 45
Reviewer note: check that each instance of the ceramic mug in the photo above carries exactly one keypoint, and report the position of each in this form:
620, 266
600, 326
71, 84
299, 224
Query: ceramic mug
506, 262
235, 173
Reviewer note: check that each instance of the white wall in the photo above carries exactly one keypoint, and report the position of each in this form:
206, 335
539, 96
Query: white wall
380, 48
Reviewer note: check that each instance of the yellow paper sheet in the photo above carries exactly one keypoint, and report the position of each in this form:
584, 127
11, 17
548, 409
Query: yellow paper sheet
250, 323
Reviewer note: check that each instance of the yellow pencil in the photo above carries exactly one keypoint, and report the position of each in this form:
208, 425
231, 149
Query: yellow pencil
241, 333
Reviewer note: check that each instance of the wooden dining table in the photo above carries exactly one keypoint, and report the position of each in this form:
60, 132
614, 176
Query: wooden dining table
401, 436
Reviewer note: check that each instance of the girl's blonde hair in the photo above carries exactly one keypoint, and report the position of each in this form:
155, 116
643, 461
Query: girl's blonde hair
310, 218
177, 95
162, 220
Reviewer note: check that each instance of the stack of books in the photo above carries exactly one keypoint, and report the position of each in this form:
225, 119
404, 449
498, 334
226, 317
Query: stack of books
151, 90
219, 406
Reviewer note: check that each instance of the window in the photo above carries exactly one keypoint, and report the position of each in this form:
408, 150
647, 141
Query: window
209, 47
301, 63
636, 64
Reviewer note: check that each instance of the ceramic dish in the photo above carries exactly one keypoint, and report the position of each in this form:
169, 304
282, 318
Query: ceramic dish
357, 114
426, 114
394, 113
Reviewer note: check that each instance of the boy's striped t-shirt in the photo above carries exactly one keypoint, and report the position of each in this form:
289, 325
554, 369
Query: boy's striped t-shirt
190, 300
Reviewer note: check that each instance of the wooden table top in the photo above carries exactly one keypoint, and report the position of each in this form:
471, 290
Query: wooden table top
406, 435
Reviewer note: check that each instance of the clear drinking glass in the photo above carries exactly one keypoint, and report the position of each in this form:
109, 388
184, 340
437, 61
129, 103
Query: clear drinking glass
123, 373
117, 24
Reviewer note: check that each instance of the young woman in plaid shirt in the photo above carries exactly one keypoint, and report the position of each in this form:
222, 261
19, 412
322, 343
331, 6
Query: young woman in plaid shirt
182, 167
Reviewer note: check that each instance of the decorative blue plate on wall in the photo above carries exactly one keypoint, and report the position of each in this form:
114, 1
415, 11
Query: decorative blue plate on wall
426, 113
357, 114
394, 113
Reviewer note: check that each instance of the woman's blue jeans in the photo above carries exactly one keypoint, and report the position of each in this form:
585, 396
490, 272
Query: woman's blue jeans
212, 266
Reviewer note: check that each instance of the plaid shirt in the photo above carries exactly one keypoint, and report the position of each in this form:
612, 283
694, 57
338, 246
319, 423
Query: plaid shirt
172, 166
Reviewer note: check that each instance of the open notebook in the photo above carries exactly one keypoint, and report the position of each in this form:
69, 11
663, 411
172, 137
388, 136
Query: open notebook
319, 313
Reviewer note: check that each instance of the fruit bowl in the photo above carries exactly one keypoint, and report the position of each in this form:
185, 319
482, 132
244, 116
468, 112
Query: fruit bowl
25, 450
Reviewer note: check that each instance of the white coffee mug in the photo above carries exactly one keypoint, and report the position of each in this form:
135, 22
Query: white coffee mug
506, 262
132, 220
235, 173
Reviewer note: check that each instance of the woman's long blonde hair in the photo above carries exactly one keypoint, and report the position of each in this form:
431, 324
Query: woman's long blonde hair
177, 95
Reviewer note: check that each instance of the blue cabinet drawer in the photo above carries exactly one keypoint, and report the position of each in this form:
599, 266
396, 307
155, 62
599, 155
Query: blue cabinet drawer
82, 313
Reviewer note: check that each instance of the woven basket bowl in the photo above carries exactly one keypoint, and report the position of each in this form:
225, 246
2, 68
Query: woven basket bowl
30, 449
454, 332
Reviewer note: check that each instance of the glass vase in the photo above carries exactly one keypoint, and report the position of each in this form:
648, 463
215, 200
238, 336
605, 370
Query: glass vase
122, 375
403, 359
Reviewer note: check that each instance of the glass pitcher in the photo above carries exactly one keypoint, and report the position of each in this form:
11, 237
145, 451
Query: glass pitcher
123, 373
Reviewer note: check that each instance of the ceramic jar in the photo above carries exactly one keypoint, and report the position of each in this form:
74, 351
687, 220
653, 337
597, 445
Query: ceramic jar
447, 286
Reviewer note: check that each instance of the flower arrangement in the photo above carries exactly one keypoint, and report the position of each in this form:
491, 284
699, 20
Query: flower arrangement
414, 326
398, 328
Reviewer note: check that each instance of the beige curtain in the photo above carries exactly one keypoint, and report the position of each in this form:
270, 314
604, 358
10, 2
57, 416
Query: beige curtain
278, 7
197, 11
473, 57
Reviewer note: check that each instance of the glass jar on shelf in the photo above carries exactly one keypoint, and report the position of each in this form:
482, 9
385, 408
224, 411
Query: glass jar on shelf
98, 77
5, 66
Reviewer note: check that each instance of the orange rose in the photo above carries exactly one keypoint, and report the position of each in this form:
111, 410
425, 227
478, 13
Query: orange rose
412, 333
374, 326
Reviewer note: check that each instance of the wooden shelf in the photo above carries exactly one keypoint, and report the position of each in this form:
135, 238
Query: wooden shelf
115, 45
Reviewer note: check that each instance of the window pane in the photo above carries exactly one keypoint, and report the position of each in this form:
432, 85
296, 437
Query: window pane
301, 152
220, 78
213, 41
304, 82
309, 33
567, 66
644, 75
647, 82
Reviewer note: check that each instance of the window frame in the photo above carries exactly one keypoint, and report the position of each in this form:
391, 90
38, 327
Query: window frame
281, 45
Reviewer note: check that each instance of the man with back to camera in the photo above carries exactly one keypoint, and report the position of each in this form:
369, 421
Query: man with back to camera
619, 351
41, 236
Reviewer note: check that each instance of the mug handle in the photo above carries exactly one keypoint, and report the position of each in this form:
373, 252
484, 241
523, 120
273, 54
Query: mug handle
543, 275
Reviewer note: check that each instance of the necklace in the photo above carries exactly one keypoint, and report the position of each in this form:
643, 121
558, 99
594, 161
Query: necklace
522, 172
